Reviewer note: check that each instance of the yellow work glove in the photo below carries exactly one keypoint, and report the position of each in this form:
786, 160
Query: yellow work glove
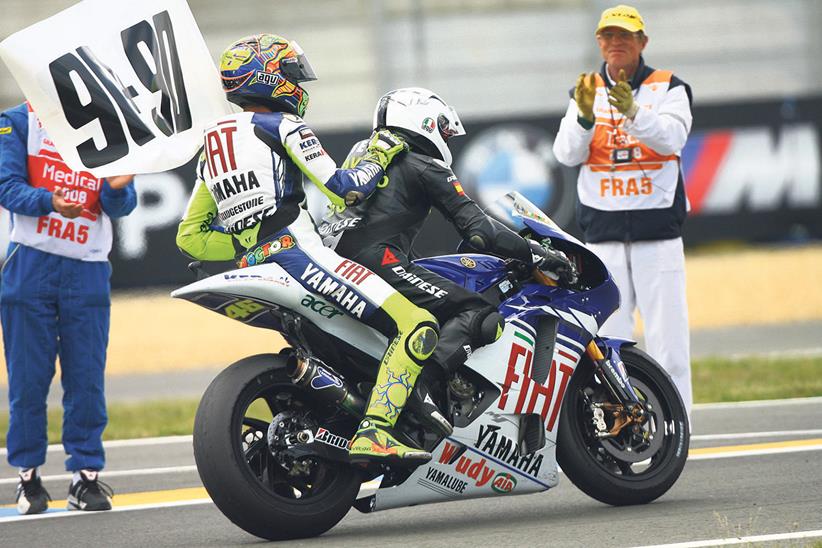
584, 92
622, 97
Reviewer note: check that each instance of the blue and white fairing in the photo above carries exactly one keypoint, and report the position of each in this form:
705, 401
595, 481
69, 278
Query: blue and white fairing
473, 272
478, 273
546, 331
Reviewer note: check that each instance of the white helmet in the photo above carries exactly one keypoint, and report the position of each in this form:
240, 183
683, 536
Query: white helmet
422, 112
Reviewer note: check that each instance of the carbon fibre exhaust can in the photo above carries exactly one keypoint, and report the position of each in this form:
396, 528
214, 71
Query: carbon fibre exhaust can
324, 383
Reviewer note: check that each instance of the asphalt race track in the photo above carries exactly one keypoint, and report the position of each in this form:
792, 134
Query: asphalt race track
754, 472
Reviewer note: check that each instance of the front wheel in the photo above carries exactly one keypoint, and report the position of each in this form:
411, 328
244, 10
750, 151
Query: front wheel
643, 461
254, 485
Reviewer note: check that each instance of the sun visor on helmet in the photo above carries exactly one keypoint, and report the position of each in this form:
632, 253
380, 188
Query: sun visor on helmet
297, 69
450, 125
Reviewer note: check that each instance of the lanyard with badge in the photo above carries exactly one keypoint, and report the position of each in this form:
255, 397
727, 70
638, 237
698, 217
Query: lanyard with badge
626, 154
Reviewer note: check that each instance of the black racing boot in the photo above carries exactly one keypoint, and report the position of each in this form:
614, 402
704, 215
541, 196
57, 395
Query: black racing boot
426, 410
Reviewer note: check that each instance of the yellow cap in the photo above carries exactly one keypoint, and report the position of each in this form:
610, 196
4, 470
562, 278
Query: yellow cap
626, 17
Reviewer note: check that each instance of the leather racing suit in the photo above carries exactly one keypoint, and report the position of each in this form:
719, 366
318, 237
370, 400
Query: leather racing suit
379, 234
248, 204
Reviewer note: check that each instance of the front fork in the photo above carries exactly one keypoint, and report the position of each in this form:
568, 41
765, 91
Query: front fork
628, 409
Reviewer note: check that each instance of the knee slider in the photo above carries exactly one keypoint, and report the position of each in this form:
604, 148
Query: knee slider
422, 341
487, 327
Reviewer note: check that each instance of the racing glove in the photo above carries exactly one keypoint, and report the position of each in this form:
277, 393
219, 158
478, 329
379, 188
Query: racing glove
554, 263
383, 147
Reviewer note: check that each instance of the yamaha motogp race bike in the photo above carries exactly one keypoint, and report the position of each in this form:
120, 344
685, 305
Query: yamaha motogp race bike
272, 431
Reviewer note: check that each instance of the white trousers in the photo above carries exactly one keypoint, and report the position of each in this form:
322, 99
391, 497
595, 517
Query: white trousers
651, 276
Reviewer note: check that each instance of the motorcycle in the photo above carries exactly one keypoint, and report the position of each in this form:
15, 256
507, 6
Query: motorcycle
272, 431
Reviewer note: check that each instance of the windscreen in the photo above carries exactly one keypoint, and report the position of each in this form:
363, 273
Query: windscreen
513, 207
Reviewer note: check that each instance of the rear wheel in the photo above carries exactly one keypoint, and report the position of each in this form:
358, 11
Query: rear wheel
247, 407
640, 463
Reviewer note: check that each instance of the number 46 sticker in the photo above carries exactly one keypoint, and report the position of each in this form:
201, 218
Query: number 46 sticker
242, 309
105, 95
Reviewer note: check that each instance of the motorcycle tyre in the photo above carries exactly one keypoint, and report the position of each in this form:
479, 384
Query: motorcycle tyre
591, 477
227, 477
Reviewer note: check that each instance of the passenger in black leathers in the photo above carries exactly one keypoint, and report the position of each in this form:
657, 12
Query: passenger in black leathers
379, 232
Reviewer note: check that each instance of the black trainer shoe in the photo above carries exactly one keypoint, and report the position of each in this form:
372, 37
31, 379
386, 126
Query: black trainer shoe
32, 497
89, 494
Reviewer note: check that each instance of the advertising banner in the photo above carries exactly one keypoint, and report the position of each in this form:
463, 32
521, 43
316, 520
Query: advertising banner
752, 173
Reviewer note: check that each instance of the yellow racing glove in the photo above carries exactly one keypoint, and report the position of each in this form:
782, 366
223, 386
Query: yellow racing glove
383, 147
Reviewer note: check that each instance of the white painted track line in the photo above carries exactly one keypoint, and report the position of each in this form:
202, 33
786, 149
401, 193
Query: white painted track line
116, 473
759, 403
740, 540
750, 435
138, 442
707, 406
64, 514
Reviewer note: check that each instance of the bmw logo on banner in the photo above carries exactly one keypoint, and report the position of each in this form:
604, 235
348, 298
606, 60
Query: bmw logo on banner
518, 157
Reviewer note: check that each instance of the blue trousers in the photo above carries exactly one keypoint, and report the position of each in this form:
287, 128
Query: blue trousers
49, 306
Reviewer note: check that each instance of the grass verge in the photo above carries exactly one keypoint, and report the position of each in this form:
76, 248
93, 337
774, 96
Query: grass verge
724, 380
128, 420
714, 380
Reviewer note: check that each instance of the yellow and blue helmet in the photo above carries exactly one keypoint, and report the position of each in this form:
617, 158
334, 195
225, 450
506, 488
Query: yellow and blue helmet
266, 70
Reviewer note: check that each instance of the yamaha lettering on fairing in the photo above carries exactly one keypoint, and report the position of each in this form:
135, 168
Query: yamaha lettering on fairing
505, 449
418, 282
324, 284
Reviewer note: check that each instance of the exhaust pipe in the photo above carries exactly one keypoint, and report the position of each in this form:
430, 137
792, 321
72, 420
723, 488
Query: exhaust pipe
324, 383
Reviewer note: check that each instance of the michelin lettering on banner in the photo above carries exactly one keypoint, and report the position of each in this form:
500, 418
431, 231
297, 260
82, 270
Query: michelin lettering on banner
121, 87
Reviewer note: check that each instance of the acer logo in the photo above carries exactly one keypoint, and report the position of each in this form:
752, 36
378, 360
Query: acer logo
320, 307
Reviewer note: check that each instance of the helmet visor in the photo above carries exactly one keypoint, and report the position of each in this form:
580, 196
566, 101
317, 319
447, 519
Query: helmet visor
297, 69
449, 124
